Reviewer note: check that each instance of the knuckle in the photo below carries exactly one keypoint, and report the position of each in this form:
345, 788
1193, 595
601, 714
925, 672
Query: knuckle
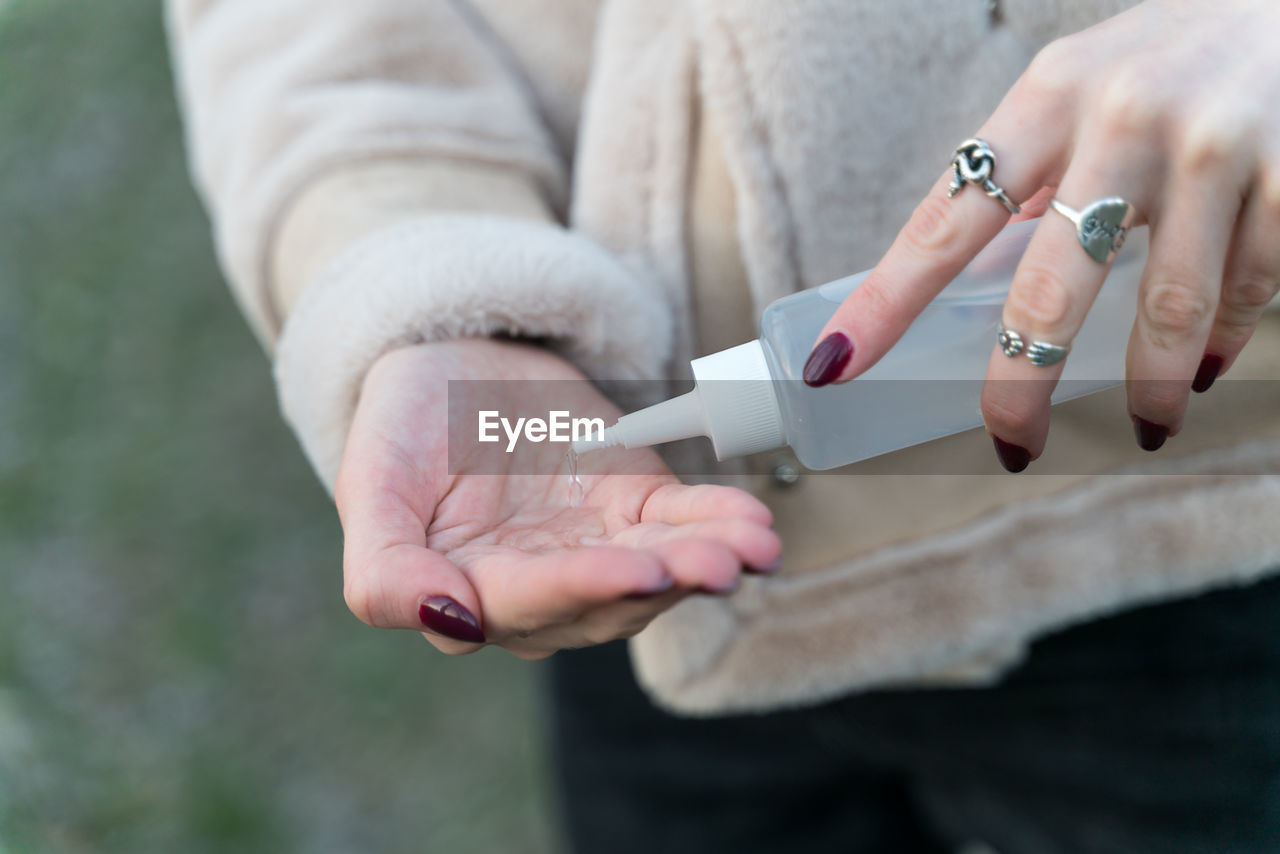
1174, 309
878, 299
1209, 139
1160, 400
1133, 101
1042, 297
1246, 298
1051, 73
359, 600
1006, 418
934, 229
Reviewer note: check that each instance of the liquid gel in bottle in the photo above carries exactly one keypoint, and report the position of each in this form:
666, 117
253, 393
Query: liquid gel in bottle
751, 397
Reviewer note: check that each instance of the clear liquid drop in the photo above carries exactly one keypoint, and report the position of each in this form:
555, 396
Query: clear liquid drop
576, 491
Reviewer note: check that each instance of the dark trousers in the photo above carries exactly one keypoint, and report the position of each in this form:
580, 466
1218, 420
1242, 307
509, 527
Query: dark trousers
1157, 730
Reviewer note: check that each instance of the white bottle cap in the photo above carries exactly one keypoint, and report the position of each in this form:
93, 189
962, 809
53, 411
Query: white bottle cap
734, 404
740, 401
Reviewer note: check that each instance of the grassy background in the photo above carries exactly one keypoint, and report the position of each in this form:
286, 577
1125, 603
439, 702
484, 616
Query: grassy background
178, 672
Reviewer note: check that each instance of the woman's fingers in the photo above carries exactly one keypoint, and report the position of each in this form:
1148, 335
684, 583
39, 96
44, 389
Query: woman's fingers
1249, 284
528, 593
698, 538
541, 597
1053, 288
1177, 302
609, 622
754, 546
391, 579
678, 504
410, 587
1082, 108
757, 548
701, 564
944, 234
536, 605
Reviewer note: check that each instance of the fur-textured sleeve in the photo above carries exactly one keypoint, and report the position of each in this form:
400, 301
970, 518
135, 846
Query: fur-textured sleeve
447, 276
276, 94
379, 173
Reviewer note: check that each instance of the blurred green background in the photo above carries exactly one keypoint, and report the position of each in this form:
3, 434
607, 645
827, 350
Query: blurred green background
178, 671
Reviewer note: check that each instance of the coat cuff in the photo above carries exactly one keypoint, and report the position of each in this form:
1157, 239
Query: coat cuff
453, 276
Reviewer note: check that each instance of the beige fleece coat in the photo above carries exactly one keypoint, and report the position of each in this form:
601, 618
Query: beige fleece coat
633, 180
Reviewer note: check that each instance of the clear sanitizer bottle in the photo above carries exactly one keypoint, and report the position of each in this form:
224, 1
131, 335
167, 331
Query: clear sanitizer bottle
751, 397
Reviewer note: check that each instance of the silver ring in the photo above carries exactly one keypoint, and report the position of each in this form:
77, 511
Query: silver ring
1101, 227
1040, 353
973, 163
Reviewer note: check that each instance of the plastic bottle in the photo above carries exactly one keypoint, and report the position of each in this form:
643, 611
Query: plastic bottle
751, 397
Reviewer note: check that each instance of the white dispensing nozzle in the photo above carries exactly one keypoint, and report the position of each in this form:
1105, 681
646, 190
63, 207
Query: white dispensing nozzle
733, 403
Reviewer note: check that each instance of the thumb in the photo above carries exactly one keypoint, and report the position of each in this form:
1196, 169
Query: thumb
391, 579
406, 586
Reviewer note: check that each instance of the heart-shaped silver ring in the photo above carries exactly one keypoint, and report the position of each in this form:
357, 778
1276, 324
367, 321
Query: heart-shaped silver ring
1101, 227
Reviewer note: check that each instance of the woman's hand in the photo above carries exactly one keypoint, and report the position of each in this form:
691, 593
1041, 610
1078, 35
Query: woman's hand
469, 558
1173, 106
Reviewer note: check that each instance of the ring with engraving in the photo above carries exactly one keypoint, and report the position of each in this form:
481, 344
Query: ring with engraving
1101, 227
973, 163
1039, 353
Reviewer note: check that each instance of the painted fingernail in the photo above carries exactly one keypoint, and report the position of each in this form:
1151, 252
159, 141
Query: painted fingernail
1210, 367
724, 590
828, 359
658, 589
1013, 457
767, 569
1149, 434
445, 616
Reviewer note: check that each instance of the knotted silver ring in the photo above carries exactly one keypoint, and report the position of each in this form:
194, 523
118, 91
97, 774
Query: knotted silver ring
1101, 227
973, 163
1040, 353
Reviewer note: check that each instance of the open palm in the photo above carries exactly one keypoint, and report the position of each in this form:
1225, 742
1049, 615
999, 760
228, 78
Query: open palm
500, 555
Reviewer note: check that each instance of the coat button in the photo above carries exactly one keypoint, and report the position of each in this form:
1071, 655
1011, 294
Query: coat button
786, 473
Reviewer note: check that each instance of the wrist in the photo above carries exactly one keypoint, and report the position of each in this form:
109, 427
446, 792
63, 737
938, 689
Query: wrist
491, 358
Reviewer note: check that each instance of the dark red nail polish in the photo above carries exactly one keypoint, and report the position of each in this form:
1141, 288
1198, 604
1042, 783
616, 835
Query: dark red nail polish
1210, 367
1013, 457
1150, 435
828, 359
444, 616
